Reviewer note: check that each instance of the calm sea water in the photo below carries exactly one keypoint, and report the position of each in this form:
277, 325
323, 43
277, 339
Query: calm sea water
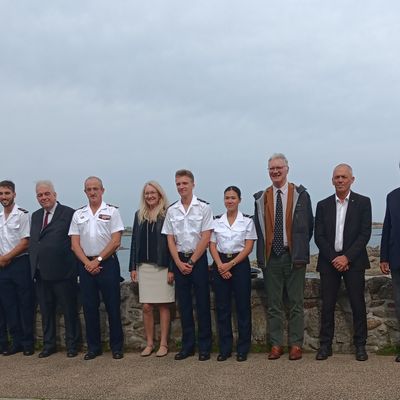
123, 254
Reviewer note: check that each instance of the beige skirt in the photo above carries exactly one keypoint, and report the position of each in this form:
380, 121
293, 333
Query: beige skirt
153, 285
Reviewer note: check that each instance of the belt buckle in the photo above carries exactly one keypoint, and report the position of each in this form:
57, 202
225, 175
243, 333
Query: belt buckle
229, 255
187, 254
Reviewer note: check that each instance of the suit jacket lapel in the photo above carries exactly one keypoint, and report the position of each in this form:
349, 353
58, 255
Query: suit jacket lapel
350, 210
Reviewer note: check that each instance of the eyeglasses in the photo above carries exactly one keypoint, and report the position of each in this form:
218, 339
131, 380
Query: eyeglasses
150, 193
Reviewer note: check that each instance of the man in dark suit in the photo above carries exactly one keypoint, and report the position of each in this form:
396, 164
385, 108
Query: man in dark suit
54, 267
390, 246
342, 231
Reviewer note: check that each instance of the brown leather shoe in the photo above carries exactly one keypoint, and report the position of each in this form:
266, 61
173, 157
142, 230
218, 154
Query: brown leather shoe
295, 353
275, 353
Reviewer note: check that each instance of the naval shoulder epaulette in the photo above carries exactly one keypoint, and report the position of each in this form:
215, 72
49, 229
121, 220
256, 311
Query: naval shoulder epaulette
218, 216
247, 216
172, 204
23, 210
80, 208
111, 205
203, 201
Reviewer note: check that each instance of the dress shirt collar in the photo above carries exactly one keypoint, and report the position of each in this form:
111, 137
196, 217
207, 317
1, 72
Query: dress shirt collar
239, 217
284, 189
345, 200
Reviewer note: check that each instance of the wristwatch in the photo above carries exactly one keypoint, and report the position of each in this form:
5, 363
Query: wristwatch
190, 262
99, 259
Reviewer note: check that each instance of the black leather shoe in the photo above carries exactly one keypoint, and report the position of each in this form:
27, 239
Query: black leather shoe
90, 355
241, 357
72, 353
361, 353
46, 353
204, 356
12, 350
183, 354
223, 357
117, 355
397, 359
323, 353
28, 352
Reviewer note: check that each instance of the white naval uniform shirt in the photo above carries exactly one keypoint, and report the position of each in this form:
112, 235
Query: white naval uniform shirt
13, 229
231, 238
95, 229
187, 226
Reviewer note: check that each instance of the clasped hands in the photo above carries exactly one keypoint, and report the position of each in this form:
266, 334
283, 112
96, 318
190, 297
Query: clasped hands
224, 270
341, 263
93, 267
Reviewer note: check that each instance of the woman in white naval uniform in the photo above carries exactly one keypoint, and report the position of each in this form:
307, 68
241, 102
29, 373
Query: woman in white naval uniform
231, 243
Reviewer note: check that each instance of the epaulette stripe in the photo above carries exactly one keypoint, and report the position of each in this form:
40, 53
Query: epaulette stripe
172, 204
217, 216
23, 210
247, 215
203, 201
111, 205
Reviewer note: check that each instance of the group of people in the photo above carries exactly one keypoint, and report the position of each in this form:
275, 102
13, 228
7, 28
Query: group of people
41, 259
168, 258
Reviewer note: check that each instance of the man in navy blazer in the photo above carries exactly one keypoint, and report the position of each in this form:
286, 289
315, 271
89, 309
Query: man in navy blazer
342, 231
54, 268
390, 246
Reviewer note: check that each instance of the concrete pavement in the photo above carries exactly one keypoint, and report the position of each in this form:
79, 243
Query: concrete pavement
134, 377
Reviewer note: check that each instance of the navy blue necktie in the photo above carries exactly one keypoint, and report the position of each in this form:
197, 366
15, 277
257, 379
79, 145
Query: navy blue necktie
277, 243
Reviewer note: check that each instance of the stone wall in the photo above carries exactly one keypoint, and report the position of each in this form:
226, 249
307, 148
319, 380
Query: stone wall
382, 323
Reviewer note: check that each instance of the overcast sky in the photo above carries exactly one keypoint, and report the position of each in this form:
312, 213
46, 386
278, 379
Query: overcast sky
132, 91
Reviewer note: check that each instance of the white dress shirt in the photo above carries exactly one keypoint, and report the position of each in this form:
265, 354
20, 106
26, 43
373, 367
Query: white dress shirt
341, 210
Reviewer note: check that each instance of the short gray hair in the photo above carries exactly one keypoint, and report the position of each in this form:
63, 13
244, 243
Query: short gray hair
46, 183
280, 156
93, 177
344, 165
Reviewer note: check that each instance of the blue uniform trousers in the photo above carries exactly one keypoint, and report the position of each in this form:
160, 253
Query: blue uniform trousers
240, 286
3, 329
17, 298
197, 280
107, 282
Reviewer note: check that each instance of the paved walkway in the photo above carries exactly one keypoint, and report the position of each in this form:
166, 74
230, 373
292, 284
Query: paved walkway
134, 377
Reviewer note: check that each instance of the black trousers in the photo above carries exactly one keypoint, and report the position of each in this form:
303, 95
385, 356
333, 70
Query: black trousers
62, 295
198, 281
17, 298
239, 285
355, 284
107, 282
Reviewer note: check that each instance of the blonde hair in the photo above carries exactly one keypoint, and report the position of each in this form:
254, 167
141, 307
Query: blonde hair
160, 210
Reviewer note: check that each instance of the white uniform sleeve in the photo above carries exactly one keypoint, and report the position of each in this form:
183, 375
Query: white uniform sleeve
213, 235
251, 230
207, 219
73, 228
167, 228
24, 226
116, 222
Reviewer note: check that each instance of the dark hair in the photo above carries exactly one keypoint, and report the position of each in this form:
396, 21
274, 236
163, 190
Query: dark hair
8, 184
235, 189
184, 172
